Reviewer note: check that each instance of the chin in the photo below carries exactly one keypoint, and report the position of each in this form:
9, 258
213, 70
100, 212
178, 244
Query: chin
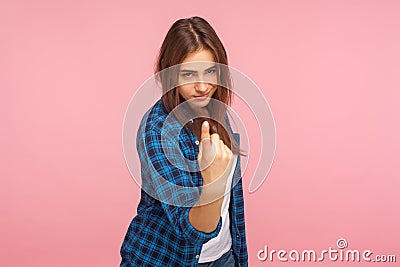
199, 103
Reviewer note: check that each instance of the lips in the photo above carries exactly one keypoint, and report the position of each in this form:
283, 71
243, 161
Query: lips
203, 96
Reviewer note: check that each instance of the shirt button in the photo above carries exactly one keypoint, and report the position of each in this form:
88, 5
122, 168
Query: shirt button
197, 142
197, 256
237, 236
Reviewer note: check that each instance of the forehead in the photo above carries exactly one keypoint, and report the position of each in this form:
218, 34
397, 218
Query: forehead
197, 66
202, 55
199, 60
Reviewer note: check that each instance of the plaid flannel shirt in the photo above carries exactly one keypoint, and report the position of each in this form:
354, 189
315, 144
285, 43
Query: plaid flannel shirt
161, 234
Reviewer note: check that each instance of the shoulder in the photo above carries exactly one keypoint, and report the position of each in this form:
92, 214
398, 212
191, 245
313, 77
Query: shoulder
158, 126
155, 116
158, 121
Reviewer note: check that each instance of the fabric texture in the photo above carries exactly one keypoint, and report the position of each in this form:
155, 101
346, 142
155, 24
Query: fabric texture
161, 234
220, 244
226, 260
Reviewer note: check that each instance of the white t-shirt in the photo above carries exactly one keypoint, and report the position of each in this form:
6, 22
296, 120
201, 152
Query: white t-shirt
217, 246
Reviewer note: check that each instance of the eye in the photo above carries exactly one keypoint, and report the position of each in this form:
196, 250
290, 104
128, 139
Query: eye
187, 74
211, 71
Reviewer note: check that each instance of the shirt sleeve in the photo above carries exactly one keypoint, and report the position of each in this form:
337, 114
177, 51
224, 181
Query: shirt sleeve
172, 179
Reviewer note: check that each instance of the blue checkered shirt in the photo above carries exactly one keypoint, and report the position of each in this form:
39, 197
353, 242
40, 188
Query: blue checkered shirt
161, 234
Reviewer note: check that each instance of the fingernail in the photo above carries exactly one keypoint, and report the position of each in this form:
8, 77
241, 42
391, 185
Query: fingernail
205, 123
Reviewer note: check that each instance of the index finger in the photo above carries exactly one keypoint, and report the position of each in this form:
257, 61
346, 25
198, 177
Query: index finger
205, 130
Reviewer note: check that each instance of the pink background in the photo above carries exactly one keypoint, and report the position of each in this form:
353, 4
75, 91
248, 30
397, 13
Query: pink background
329, 70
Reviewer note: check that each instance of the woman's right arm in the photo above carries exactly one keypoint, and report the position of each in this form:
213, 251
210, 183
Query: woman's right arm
215, 161
171, 181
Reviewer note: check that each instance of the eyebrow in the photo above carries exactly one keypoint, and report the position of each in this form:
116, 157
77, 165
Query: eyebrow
194, 71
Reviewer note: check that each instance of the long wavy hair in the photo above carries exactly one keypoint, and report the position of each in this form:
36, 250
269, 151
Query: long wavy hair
187, 36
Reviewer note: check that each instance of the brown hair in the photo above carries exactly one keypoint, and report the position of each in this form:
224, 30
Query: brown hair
186, 36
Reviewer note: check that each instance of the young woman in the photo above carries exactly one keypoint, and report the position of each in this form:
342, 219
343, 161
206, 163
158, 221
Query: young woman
191, 211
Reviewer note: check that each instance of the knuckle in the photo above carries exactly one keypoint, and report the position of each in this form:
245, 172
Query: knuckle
215, 136
223, 157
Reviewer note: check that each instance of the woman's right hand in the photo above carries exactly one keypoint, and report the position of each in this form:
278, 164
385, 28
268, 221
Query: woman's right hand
214, 156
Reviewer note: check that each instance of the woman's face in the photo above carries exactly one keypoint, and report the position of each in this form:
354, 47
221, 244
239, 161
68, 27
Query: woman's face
198, 80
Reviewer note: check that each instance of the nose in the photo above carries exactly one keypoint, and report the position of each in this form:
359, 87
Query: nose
201, 87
